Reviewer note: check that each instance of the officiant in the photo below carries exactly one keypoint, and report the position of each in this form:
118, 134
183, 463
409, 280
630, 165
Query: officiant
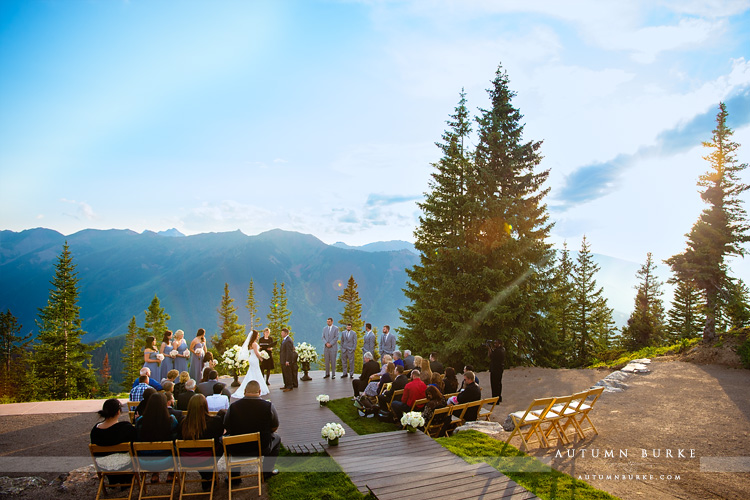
267, 343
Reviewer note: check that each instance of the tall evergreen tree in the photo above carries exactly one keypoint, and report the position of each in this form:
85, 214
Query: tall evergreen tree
721, 229
252, 308
132, 358
14, 356
685, 317
735, 306
562, 313
156, 321
279, 315
352, 314
230, 333
645, 326
105, 375
63, 362
592, 324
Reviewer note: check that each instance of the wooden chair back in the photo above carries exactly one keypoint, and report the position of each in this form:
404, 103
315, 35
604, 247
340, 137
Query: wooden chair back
552, 419
531, 418
237, 461
148, 463
586, 407
484, 413
98, 452
434, 427
190, 458
418, 403
393, 397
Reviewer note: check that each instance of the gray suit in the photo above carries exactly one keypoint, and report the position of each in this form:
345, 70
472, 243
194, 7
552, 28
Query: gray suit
330, 336
368, 344
387, 344
348, 346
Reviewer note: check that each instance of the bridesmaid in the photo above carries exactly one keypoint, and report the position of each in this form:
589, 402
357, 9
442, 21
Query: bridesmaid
179, 344
196, 361
165, 348
149, 358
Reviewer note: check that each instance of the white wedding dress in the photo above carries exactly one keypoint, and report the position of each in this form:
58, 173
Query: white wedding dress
253, 372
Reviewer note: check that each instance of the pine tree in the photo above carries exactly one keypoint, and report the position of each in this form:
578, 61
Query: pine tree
279, 316
132, 358
156, 321
352, 314
230, 333
14, 357
721, 228
735, 307
62, 361
645, 326
562, 308
685, 317
252, 308
592, 324
105, 375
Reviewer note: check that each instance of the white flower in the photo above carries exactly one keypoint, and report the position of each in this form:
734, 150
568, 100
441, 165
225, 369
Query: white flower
160, 357
413, 419
323, 397
199, 352
332, 431
264, 355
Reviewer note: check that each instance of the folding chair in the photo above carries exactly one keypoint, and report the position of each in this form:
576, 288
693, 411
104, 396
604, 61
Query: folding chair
154, 457
471, 407
484, 413
457, 416
571, 412
557, 412
448, 396
531, 418
393, 397
433, 428
416, 404
236, 461
195, 456
586, 407
132, 405
99, 455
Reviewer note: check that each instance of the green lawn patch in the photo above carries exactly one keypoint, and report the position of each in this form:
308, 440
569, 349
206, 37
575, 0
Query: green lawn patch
311, 477
345, 410
527, 471
646, 352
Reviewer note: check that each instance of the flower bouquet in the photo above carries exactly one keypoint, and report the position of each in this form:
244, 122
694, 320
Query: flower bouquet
332, 432
412, 420
234, 362
323, 399
173, 353
264, 355
159, 357
199, 352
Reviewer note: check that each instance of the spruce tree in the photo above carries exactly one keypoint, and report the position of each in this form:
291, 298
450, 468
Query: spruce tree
279, 316
132, 357
735, 307
685, 317
352, 314
14, 357
592, 323
645, 326
105, 375
721, 229
230, 333
562, 308
156, 321
252, 308
62, 361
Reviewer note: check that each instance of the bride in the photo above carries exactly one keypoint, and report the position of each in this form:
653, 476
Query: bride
252, 355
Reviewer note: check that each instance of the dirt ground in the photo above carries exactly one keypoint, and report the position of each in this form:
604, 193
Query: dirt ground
699, 412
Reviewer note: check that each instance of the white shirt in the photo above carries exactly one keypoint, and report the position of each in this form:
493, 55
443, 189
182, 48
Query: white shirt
217, 402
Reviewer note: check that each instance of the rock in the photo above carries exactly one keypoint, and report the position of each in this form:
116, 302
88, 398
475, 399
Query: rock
16, 485
481, 426
634, 367
508, 424
618, 375
78, 476
611, 383
643, 361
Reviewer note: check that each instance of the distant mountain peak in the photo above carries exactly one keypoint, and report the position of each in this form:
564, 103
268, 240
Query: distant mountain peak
380, 246
172, 233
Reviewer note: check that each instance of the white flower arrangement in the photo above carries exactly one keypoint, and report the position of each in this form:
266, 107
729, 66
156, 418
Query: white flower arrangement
173, 353
232, 359
412, 419
199, 352
306, 353
323, 398
264, 355
332, 431
160, 357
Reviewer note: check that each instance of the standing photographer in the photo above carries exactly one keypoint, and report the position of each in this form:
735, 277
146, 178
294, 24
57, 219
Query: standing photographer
497, 365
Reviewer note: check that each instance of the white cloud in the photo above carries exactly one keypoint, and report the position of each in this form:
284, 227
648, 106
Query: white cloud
228, 215
83, 210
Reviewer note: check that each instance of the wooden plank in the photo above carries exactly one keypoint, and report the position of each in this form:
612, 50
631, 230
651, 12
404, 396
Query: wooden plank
419, 480
457, 486
400, 464
396, 470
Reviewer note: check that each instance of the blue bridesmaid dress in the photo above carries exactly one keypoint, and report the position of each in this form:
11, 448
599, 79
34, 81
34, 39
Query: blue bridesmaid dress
196, 364
153, 364
181, 363
167, 364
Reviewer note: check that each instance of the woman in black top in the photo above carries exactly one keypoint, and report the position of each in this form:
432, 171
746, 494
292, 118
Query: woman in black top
156, 424
266, 343
450, 382
111, 432
198, 424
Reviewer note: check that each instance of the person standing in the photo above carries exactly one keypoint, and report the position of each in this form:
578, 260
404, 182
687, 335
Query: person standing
266, 343
167, 364
330, 337
387, 342
368, 343
198, 349
288, 360
497, 365
181, 358
348, 346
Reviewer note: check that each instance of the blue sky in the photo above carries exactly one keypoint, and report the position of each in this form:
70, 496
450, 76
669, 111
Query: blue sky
321, 116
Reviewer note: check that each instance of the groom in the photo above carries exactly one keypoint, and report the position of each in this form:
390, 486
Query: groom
288, 359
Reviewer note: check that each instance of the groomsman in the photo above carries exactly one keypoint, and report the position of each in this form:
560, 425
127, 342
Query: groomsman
330, 337
348, 346
368, 344
387, 342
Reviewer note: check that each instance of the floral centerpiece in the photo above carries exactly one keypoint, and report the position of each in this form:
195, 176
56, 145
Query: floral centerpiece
235, 363
412, 420
323, 399
306, 354
332, 432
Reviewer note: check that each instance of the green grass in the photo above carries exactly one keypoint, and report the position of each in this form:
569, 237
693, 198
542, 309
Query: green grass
311, 477
345, 410
647, 352
527, 471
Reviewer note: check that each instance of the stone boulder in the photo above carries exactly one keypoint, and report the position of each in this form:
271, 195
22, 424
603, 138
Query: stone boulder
16, 485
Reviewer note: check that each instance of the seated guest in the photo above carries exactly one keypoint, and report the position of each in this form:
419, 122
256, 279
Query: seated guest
142, 406
471, 392
408, 360
171, 376
425, 369
209, 361
184, 398
469, 368
111, 432
171, 407
369, 368
397, 358
398, 384
435, 401
207, 388
168, 387
179, 387
156, 424
435, 365
147, 372
413, 391
373, 388
450, 382
198, 424
206, 376
384, 364
437, 381
253, 414
217, 401
136, 394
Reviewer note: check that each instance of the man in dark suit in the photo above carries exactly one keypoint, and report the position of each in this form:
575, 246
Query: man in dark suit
435, 365
288, 360
471, 392
397, 385
207, 388
253, 414
184, 398
370, 367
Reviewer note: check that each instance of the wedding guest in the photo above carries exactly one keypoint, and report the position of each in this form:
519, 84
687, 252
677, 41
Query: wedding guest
167, 364
198, 348
151, 357
168, 388
435, 401
183, 353
111, 431
369, 368
198, 424
171, 377
450, 382
176, 413
413, 391
417, 363
206, 375
398, 384
435, 365
136, 393
151, 381
156, 424
267, 343
142, 406
184, 399
217, 401
469, 368
437, 382
209, 361
425, 368
389, 374
471, 392
408, 360
207, 388
397, 358
179, 387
